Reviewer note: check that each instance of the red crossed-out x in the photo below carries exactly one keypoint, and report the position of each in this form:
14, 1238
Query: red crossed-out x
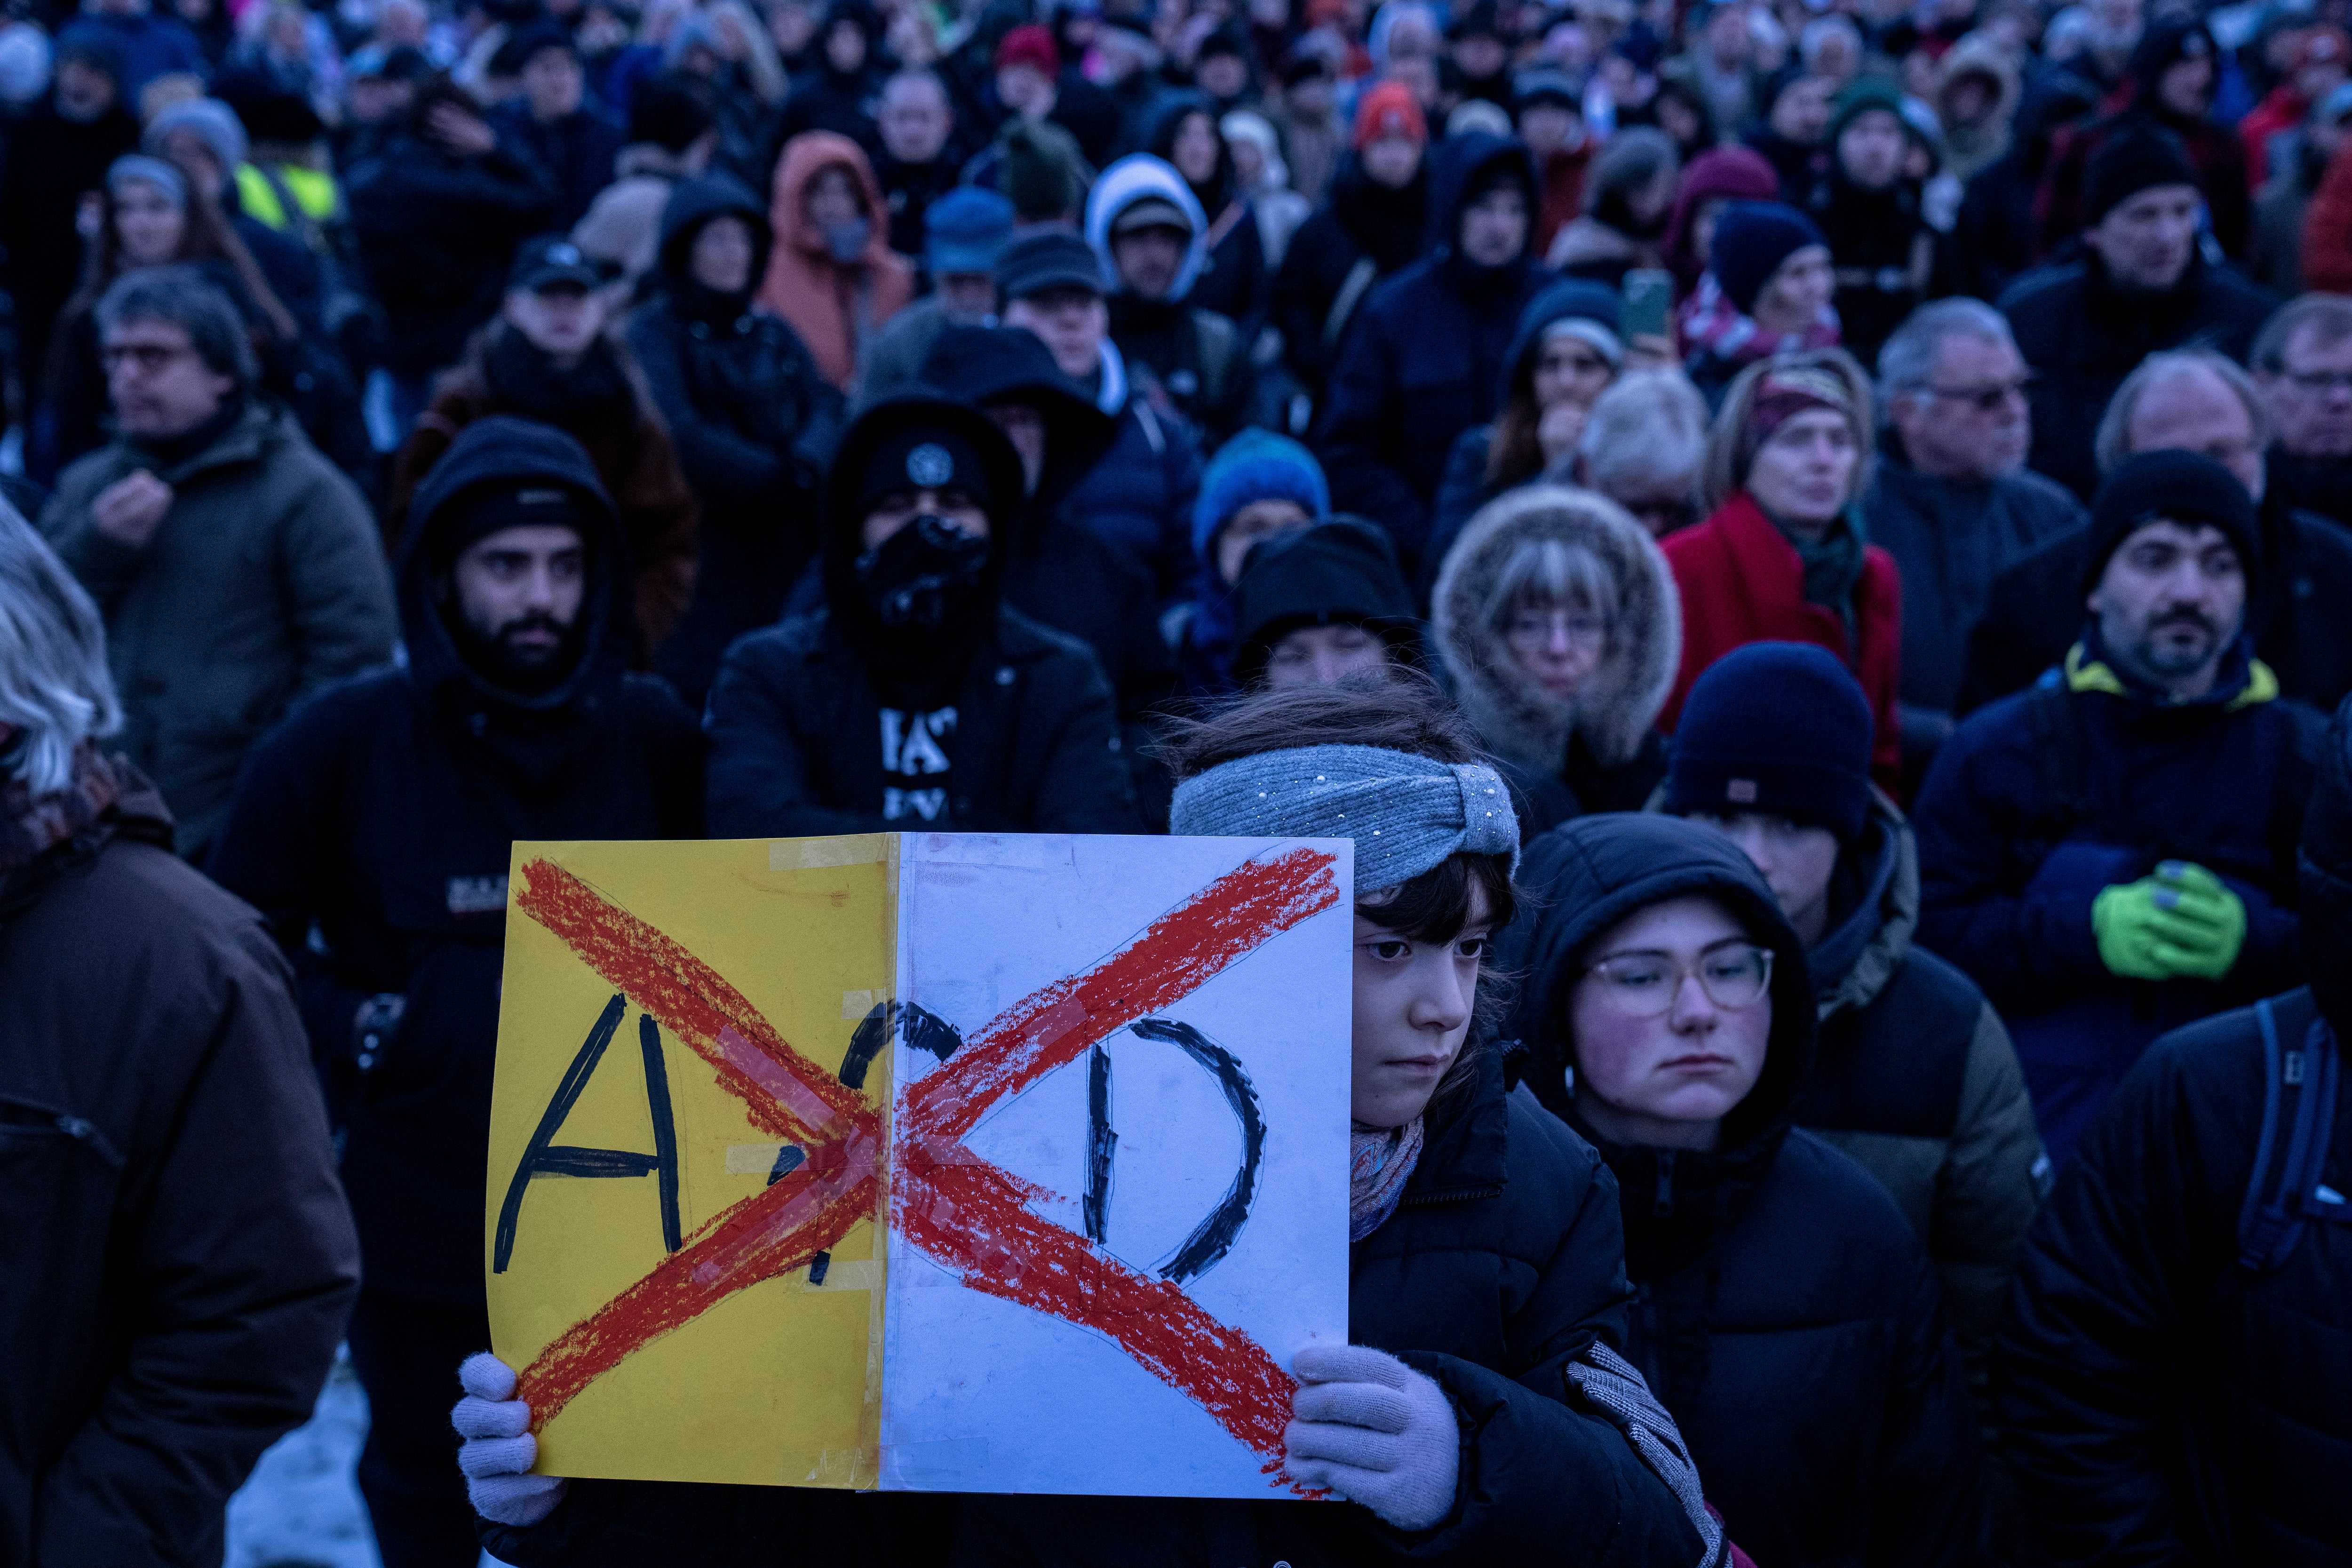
969, 1214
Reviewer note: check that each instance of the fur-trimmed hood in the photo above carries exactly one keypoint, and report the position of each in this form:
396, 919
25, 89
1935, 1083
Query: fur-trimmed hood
1517, 719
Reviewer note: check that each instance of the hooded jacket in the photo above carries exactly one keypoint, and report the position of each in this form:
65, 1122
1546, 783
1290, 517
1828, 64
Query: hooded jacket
1364, 222
802, 713
1975, 145
2044, 800
1598, 750
604, 405
835, 306
1466, 487
1783, 1311
382, 812
1424, 358
2160, 1400
1915, 1078
180, 1260
1235, 280
261, 583
754, 421
1197, 355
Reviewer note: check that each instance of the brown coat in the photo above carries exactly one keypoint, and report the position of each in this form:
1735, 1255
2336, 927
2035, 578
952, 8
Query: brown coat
176, 1260
634, 460
835, 308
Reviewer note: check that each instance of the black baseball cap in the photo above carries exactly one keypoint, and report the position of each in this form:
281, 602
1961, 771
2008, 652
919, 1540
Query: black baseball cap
549, 261
1045, 260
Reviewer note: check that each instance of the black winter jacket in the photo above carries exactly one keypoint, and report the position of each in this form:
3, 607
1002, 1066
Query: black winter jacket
176, 1261
1363, 221
437, 232
2034, 611
1500, 1266
576, 152
2162, 1401
1783, 1309
383, 811
2084, 334
1422, 362
754, 422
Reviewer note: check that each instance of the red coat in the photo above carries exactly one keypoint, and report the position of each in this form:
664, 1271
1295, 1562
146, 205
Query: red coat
1741, 582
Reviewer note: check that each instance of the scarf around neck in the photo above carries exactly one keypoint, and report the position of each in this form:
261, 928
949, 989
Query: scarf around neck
1833, 565
1380, 1159
31, 826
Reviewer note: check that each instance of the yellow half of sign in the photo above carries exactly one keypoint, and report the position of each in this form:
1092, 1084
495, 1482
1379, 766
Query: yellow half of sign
619, 1253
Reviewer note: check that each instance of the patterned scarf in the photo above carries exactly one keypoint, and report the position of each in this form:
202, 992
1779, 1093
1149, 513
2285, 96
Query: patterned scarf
1380, 1159
29, 828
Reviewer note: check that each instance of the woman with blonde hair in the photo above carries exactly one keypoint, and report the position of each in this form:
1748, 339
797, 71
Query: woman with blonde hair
1784, 555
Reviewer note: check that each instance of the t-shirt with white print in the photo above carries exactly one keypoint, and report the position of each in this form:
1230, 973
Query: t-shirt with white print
915, 762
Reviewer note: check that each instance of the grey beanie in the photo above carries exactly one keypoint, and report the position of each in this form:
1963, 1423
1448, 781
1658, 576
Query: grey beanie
210, 118
1406, 813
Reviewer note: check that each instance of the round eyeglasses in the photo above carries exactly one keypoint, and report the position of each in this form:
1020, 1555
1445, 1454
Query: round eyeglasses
1645, 984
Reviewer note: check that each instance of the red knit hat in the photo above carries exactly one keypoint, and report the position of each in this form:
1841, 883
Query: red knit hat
1030, 45
1389, 110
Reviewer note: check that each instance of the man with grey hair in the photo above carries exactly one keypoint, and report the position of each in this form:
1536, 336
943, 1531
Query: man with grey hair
180, 1260
2201, 402
1952, 501
2303, 368
235, 567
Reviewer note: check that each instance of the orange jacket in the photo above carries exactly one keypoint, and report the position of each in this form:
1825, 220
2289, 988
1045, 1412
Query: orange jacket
836, 308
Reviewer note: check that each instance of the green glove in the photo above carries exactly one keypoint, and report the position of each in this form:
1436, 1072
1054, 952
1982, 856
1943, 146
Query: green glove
2217, 916
2132, 929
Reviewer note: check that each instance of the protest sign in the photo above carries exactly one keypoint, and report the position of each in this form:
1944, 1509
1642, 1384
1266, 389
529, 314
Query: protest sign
933, 1162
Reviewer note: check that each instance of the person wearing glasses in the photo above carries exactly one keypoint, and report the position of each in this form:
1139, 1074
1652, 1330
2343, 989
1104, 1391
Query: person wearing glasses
1952, 501
1914, 1074
2303, 364
1783, 1311
1558, 627
236, 567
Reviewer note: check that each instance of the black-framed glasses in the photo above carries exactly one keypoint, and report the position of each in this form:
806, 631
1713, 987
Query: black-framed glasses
1985, 399
1645, 984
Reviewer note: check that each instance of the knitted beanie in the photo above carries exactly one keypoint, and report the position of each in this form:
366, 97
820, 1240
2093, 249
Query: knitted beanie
1861, 96
1407, 813
1389, 110
217, 124
2171, 485
2135, 161
1777, 728
1751, 240
1257, 465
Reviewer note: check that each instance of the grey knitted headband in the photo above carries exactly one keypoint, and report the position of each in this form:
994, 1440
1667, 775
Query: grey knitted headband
1405, 813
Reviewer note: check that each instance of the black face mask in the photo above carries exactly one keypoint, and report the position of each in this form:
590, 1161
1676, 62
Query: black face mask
918, 578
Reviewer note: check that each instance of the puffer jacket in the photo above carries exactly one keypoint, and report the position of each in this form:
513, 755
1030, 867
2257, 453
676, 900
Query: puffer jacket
382, 812
1598, 750
176, 1260
2032, 810
2162, 1400
1783, 1309
754, 424
1913, 1076
263, 582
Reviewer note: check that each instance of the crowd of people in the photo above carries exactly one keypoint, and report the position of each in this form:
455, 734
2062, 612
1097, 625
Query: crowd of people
1870, 484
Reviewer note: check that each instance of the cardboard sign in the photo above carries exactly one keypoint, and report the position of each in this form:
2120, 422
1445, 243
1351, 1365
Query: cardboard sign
930, 1162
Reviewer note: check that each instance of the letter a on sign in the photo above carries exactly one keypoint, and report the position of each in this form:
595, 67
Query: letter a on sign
937, 1137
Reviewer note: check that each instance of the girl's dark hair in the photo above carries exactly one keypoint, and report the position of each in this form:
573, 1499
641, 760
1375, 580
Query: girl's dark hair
1404, 710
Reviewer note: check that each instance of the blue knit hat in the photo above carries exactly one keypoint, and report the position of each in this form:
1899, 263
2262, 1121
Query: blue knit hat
1777, 729
1751, 240
966, 230
1254, 465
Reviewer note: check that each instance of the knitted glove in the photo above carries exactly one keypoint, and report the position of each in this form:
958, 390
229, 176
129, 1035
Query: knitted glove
1369, 1427
2216, 915
499, 1449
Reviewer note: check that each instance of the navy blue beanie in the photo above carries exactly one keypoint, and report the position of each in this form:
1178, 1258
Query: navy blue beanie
1777, 729
1751, 240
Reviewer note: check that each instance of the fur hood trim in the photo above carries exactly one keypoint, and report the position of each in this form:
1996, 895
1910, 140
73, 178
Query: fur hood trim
1518, 721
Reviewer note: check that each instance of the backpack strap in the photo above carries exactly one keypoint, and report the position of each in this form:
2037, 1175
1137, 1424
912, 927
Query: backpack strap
1343, 304
2285, 1190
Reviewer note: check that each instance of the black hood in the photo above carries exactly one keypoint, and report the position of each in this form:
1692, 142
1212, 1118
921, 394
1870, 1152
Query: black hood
504, 448
1167, 119
1387, 223
2323, 868
1581, 879
896, 662
1460, 162
692, 204
1343, 570
981, 366
2163, 44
